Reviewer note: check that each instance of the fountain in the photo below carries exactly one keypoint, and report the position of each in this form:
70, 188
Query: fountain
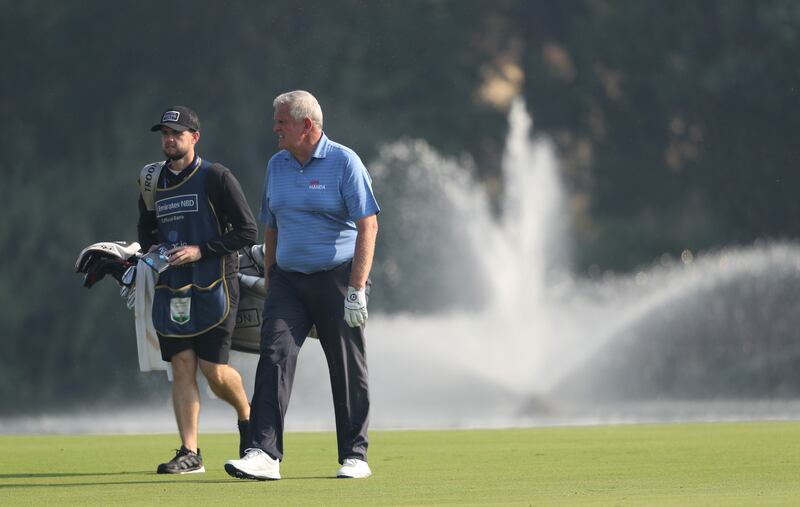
700, 338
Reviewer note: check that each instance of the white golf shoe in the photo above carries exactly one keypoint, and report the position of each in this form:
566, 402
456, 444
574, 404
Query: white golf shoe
353, 468
256, 465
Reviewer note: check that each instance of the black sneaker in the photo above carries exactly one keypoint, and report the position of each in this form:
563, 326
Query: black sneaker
244, 437
184, 462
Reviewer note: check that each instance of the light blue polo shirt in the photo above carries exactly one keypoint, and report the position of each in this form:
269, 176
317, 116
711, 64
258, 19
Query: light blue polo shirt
315, 206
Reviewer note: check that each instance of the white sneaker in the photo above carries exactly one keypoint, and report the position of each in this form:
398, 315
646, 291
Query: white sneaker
353, 468
256, 465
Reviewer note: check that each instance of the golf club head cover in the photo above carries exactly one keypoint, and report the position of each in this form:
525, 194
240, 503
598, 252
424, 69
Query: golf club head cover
108, 257
99, 266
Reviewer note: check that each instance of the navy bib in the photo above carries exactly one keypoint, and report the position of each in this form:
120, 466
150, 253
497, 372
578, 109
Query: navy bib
193, 298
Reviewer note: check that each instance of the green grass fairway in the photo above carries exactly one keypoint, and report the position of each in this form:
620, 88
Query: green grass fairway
666, 464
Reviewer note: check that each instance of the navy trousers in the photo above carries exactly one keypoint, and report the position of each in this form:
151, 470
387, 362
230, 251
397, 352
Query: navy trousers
295, 302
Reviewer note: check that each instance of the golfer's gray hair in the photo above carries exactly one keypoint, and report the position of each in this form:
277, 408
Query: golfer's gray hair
301, 105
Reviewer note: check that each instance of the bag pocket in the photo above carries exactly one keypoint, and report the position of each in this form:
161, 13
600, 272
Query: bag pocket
189, 311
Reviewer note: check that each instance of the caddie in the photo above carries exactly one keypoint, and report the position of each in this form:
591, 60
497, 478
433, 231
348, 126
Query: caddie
195, 213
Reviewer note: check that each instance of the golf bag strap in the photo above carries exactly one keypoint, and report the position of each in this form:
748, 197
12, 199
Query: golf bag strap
148, 179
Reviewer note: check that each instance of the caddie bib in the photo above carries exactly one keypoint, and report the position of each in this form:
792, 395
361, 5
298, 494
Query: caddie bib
193, 298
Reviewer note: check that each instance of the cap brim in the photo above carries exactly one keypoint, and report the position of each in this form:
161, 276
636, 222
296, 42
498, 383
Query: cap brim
174, 126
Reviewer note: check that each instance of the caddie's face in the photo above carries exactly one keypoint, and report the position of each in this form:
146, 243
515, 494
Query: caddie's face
177, 145
290, 131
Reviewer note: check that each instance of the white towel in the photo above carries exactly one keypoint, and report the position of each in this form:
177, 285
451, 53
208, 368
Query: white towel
146, 338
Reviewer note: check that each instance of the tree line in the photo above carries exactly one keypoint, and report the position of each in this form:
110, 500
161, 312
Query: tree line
673, 120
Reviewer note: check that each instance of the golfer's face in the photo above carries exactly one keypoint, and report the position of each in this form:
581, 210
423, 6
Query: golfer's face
176, 144
289, 130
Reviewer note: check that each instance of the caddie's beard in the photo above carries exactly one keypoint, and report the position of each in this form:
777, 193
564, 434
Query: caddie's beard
175, 155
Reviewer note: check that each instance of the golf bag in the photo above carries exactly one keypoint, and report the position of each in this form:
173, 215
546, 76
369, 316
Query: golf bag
247, 333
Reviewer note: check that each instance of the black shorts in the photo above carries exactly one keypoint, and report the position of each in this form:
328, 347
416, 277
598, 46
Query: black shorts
213, 346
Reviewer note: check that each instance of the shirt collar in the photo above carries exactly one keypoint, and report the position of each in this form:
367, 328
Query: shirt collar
186, 170
321, 150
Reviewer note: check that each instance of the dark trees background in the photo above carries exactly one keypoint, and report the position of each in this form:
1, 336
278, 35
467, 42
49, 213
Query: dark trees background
674, 121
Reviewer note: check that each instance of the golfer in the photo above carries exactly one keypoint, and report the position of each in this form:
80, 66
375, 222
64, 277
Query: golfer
321, 223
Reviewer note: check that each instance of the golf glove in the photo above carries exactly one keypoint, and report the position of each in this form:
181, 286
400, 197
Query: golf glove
355, 307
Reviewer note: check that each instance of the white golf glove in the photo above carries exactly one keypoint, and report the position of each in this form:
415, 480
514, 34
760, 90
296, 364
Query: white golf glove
355, 307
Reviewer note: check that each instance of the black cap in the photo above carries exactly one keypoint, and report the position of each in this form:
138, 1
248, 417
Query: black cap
178, 118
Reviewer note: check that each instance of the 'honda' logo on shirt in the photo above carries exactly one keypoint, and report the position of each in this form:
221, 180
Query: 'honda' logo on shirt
315, 185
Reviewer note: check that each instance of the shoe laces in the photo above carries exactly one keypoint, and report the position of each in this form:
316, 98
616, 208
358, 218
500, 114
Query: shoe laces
183, 451
252, 453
